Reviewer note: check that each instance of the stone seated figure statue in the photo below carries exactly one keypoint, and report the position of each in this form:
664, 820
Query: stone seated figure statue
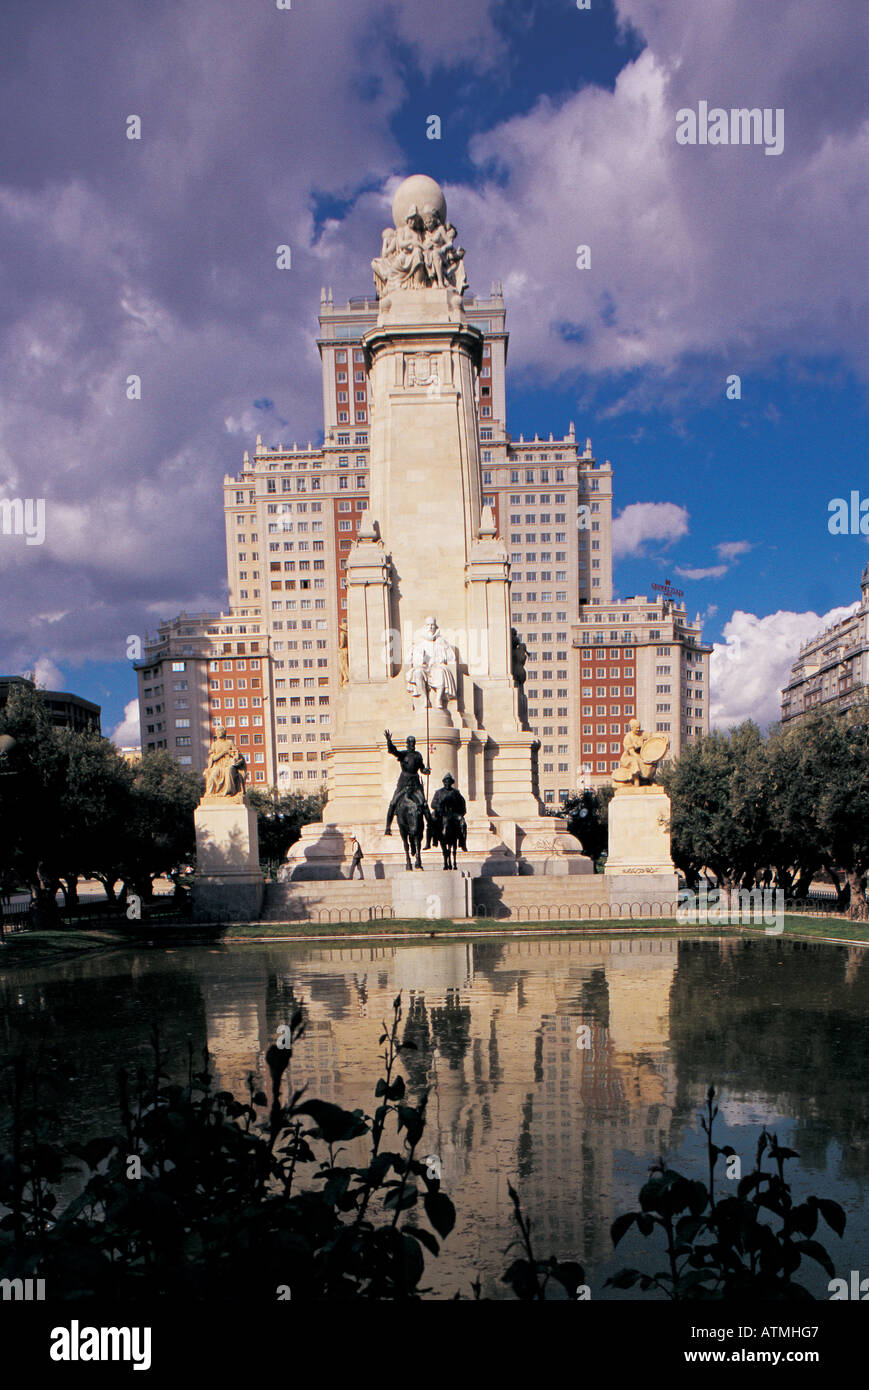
642, 753
226, 768
432, 669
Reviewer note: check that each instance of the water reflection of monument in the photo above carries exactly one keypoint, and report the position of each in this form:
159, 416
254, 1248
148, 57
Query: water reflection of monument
511, 1095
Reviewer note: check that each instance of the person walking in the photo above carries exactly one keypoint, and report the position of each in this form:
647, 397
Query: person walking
356, 858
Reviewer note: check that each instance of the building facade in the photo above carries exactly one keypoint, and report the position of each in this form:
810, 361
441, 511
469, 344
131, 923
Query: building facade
269, 668
641, 659
832, 669
67, 711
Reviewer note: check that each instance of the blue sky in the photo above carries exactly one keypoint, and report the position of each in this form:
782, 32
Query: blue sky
558, 125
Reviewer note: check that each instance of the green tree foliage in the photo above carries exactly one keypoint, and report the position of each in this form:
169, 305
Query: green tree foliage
161, 835
71, 808
280, 817
788, 805
587, 816
33, 805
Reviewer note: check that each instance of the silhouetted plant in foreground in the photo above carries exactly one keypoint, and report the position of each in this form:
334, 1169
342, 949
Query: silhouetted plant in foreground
196, 1195
528, 1276
723, 1249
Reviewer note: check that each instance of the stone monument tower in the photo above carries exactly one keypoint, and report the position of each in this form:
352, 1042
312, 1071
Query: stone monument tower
429, 646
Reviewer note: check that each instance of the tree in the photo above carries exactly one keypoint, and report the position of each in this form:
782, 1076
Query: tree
70, 807
587, 818
31, 799
718, 819
837, 755
96, 808
796, 853
280, 817
160, 833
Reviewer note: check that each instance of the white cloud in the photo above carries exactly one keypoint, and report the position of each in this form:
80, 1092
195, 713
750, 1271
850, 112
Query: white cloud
47, 675
729, 550
51, 617
711, 572
126, 734
667, 224
247, 423
749, 669
640, 522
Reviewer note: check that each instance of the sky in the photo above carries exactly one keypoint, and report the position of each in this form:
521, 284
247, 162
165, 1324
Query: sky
263, 126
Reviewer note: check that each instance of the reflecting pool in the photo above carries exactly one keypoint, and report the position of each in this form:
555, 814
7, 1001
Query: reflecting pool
564, 1066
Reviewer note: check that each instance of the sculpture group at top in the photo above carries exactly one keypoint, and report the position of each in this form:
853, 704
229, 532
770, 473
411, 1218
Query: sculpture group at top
420, 251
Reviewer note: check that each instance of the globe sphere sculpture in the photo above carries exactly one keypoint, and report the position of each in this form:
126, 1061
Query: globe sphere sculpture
421, 192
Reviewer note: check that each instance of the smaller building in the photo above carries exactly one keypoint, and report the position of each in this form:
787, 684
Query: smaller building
643, 659
200, 669
68, 711
832, 669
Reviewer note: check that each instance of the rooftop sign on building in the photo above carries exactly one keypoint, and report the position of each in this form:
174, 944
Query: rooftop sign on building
667, 591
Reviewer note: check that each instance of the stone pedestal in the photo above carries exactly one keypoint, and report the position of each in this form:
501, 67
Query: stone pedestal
639, 867
432, 893
228, 884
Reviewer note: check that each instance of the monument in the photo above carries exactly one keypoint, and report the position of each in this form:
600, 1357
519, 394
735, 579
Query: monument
639, 866
430, 650
228, 881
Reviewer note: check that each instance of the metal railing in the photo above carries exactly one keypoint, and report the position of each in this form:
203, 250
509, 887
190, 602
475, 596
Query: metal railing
302, 912
575, 912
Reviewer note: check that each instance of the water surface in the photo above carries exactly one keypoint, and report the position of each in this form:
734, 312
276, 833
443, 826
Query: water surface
780, 1028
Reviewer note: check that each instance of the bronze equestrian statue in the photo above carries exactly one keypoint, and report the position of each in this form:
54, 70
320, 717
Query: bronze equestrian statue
448, 815
408, 802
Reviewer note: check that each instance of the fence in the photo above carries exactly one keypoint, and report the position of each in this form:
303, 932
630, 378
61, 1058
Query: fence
164, 907
575, 912
14, 917
816, 905
20, 916
302, 912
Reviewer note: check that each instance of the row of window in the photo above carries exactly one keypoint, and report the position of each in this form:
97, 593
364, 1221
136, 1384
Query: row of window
545, 537
530, 473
